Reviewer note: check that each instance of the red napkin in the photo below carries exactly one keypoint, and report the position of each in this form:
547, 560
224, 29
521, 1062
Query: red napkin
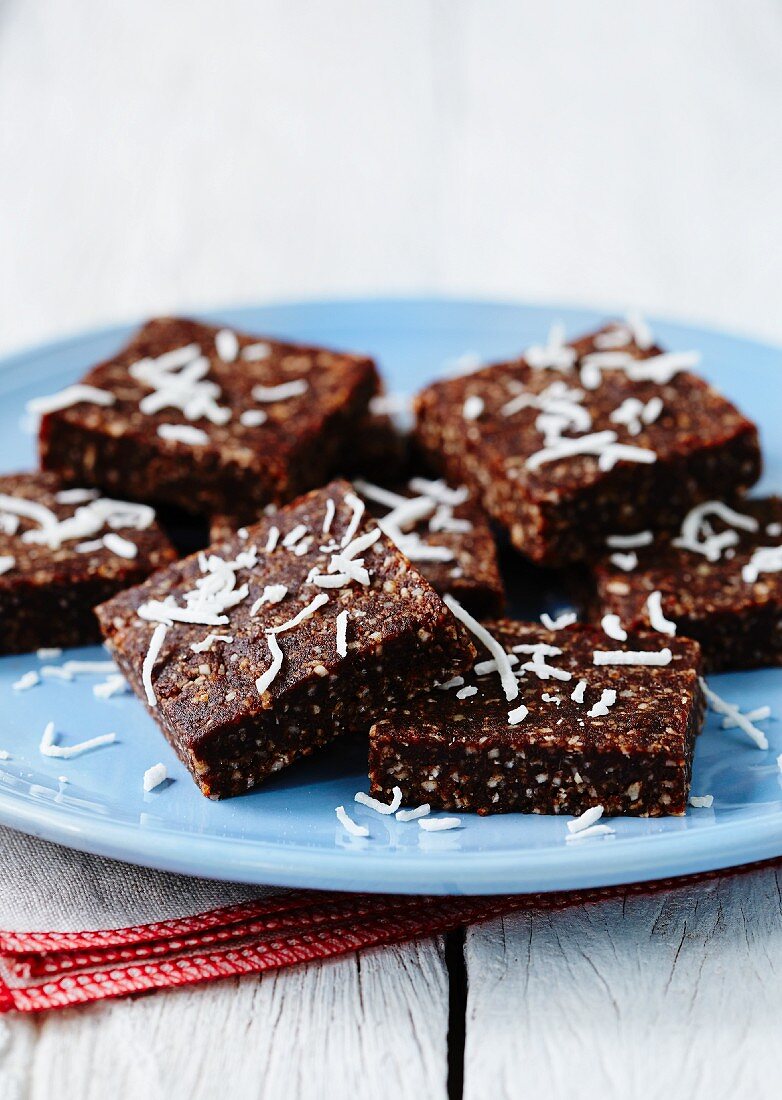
41, 970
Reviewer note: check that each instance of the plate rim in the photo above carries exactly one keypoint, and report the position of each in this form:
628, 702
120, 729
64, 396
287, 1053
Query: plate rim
257, 861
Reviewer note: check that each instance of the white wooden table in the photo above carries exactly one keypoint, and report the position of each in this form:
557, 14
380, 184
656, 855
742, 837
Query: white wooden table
160, 156
671, 996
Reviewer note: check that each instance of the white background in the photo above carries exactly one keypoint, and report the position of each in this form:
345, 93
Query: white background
170, 154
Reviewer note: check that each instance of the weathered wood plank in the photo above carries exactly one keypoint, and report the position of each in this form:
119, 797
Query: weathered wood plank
18, 1037
677, 995
372, 1024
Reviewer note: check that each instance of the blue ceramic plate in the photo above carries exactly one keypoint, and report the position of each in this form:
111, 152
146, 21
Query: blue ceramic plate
286, 833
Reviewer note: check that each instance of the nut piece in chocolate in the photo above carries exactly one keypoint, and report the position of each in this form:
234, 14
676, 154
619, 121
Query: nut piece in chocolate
276, 641
206, 418
572, 442
62, 551
717, 579
592, 725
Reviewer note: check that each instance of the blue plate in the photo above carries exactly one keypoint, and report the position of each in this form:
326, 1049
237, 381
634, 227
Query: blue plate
286, 833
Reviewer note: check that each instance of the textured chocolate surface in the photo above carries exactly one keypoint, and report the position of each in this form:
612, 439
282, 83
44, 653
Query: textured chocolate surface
47, 596
737, 621
471, 572
399, 637
239, 463
560, 510
463, 754
377, 450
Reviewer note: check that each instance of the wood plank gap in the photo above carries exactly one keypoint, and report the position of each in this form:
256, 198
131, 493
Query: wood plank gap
457, 1011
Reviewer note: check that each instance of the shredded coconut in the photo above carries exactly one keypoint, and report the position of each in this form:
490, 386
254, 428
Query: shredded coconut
633, 414
640, 332
155, 645
305, 613
593, 365
329, 580
348, 824
618, 336
263, 682
612, 626
651, 410
484, 668
697, 536
473, 407
630, 542
759, 714
253, 418
632, 657
90, 547
466, 692
65, 399
356, 504
48, 747
87, 520
607, 699
328, 518
69, 669
577, 694
116, 684
445, 520
555, 354
26, 681
345, 561
518, 714
566, 618
626, 562
178, 380
730, 710
594, 443
76, 496
414, 814
206, 644
584, 820
226, 345
48, 653
387, 809
272, 539
7, 562
283, 392
455, 681
154, 776
765, 559
254, 353
214, 593
53, 672
657, 620
702, 801
439, 824
660, 369
439, 492
508, 680
379, 495
342, 633
542, 649
123, 548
